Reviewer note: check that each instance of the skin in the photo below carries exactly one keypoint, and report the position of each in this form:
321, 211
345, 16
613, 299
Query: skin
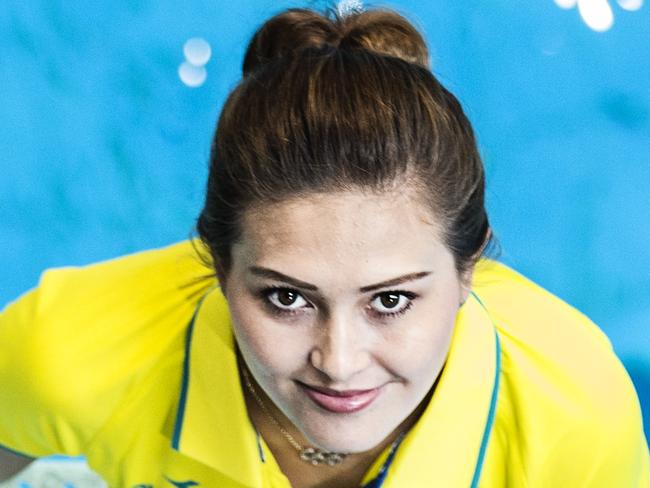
336, 336
11, 464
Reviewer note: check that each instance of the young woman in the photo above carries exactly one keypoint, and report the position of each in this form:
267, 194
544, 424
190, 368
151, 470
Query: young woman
348, 331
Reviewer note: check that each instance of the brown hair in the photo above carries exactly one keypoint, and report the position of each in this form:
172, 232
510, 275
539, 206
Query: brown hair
332, 102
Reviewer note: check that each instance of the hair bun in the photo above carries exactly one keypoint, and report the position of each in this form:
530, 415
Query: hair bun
379, 30
386, 32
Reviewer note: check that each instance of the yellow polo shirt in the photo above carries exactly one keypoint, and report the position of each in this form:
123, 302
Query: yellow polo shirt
131, 363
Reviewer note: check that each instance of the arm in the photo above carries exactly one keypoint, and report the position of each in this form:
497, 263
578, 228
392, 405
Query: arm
11, 464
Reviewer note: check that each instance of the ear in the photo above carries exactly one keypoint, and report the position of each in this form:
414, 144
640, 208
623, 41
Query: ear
468, 275
466, 284
222, 275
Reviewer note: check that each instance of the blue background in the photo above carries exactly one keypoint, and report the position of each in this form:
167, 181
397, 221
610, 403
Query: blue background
103, 149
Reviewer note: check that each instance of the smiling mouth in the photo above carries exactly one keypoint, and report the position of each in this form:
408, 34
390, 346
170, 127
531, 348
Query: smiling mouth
346, 401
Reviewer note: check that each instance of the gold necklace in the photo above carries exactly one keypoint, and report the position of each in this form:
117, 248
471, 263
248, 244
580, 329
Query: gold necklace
310, 455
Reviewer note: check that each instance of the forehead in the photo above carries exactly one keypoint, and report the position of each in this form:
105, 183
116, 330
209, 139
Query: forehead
350, 229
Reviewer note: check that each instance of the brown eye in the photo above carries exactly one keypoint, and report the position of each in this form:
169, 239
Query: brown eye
286, 299
392, 303
389, 300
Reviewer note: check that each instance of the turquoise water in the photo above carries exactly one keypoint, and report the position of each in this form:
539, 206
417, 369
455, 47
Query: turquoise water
104, 147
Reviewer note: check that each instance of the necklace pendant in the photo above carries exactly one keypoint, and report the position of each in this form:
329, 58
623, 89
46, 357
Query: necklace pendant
318, 456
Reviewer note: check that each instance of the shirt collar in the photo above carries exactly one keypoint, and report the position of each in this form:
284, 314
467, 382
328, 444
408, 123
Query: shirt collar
447, 444
444, 448
212, 424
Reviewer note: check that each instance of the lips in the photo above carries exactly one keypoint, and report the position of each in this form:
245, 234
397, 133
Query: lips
347, 401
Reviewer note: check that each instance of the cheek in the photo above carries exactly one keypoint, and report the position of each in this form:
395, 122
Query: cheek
261, 341
419, 349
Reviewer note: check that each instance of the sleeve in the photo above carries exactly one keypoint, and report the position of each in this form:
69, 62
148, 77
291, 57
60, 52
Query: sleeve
74, 349
13, 320
574, 417
608, 447
52, 394
28, 424
622, 457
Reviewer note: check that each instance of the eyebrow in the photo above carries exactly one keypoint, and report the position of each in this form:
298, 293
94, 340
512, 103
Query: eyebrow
270, 273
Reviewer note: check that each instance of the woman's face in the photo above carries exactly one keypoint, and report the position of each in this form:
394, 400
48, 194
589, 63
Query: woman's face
346, 291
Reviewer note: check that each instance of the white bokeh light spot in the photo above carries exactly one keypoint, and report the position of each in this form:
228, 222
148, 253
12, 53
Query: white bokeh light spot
566, 4
197, 51
597, 14
345, 7
630, 5
192, 75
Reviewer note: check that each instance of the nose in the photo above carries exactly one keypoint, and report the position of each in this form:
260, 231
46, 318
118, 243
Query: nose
342, 349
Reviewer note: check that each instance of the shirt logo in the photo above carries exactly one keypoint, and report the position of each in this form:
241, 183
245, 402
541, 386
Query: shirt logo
182, 484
